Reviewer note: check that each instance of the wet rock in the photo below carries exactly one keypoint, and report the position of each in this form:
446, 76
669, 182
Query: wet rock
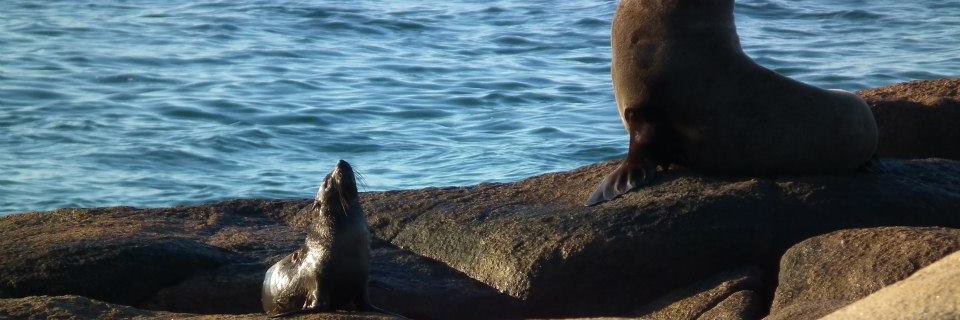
535, 241
931, 293
824, 273
917, 119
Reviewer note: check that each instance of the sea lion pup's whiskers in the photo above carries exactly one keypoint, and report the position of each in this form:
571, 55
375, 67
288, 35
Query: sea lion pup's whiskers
361, 180
330, 271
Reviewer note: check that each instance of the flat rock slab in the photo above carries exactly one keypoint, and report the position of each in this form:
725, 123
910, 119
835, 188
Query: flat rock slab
932, 293
208, 259
824, 273
917, 119
534, 239
77, 307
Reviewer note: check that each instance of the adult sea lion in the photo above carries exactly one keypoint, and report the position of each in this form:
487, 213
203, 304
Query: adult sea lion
329, 272
688, 95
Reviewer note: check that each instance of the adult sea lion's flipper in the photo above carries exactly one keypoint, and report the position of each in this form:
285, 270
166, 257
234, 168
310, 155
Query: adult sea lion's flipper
626, 177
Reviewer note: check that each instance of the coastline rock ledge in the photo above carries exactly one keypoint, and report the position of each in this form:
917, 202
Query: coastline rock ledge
686, 247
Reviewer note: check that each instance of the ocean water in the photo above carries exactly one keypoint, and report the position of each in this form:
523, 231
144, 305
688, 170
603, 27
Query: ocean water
159, 103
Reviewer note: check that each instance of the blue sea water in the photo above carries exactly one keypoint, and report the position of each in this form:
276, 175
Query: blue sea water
159, 103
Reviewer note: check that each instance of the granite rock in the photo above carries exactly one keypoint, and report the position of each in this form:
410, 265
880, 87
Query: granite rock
917, 119
824, 273
933, 293
535, 241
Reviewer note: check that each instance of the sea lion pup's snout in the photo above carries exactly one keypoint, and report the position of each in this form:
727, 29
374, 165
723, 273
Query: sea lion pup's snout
339, 187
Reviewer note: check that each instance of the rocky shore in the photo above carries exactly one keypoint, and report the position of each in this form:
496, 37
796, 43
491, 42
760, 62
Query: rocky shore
857, 246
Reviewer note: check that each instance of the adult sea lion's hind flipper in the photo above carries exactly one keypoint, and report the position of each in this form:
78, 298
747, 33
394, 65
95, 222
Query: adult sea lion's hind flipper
626, 177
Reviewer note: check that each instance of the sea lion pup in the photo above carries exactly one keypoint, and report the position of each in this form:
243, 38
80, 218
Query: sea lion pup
688, 95
329, 272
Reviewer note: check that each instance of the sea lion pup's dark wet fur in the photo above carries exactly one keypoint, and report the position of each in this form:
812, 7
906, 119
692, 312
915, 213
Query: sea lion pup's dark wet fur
688, 95
329, 272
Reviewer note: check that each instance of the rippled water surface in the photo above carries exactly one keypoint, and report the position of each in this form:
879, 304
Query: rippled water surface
157, 103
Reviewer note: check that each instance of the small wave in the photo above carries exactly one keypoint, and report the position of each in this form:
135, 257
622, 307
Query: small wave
32, 5
592, 22
186, 160
397, 25
508, 85
572, 88
145, 60
494, 9
133, 78
788, 32
514, 41
274, 53
589, 59
845, 14
298, 84
47, 66
77, 125
504, 99
790, 71
291, 119
44, 31
351, 145
465, 101
507, 22
156, 15
347, 26
31, 94
763, 9
196, 114
326, 12
547, 131
497, 126
512, 51
422, 114
214, 27
415, 69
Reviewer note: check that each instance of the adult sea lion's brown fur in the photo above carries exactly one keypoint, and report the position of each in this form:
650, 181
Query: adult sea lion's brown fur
688, 95
329, 272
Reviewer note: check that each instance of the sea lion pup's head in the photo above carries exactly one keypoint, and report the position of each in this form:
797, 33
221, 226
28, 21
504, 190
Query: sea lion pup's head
338, 192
